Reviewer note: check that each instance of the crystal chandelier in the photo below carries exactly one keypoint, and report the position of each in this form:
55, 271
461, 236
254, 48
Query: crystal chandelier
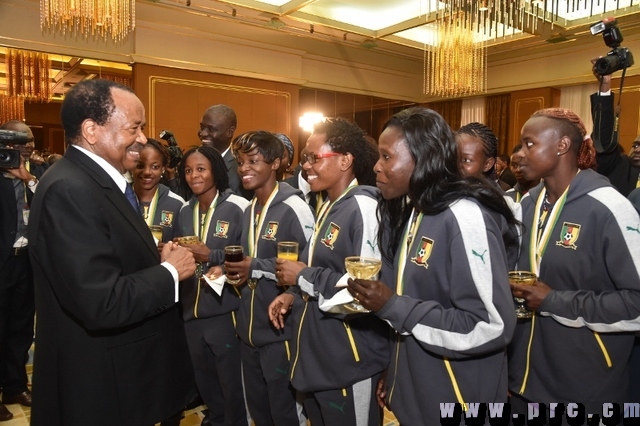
456, 65
28, 75
115, 18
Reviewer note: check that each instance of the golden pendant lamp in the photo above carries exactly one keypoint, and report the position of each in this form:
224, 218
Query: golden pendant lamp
114, 18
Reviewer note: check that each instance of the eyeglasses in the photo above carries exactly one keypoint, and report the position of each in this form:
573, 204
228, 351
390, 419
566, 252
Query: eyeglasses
312, 158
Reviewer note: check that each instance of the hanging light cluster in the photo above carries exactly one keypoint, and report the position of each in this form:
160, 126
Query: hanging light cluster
115, 18
28, 75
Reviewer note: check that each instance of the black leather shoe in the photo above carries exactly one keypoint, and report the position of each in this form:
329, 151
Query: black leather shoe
23, 398
5, 414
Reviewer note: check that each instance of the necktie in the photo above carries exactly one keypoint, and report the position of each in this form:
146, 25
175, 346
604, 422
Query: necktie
131, 196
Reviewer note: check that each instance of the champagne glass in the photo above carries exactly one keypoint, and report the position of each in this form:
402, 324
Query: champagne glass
522, 278
234, 254
188, 240
363, 268
156, 231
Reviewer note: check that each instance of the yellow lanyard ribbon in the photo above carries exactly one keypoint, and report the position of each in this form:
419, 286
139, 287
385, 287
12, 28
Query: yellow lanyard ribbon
324, 213
538, 240
409, 234
150, 211
201, 227
254, 231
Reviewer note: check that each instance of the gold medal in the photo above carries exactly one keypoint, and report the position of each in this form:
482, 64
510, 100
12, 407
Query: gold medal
252, 283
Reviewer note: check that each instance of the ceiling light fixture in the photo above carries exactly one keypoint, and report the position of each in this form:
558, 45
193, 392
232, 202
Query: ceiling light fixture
275, 23
89, 17
369, 44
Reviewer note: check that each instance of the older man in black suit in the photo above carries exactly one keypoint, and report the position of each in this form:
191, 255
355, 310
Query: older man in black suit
110, 344
17, 187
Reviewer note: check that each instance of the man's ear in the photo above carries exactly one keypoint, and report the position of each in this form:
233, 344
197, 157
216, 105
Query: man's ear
89, 129
230, 131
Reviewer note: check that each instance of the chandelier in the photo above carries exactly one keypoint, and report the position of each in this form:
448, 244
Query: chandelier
115, 18
28, 75
456, 65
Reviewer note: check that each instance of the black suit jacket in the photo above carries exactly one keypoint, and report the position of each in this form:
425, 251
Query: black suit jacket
507, 179
611, 162
111, 348
9, 212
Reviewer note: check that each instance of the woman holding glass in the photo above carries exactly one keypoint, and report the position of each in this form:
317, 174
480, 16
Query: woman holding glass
214, 215
160, 207
336, 358
582, 240
444, 286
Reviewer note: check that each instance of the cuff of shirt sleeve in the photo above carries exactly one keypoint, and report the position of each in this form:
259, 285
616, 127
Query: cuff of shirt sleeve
174, 274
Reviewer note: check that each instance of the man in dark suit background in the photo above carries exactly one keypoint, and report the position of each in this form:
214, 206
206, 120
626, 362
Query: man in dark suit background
17, 187
216, 130
110, 344
505, 177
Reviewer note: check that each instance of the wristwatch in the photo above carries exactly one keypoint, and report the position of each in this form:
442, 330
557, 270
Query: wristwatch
32, 183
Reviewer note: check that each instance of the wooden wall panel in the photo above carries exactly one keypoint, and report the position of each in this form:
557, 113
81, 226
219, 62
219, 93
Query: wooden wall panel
175, 99
523, 104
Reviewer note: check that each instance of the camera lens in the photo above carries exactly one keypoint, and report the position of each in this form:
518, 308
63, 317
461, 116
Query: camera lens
9, 158
607, 65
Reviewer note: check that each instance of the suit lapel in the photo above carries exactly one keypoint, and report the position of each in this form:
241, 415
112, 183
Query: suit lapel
113, 193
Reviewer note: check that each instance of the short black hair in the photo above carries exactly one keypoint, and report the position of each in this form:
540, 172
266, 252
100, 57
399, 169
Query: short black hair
265, 142
219, 168
160, 148
346, 137
89, 99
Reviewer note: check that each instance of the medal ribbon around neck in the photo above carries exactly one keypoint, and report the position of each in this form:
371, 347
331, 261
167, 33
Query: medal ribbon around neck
254, 231
538, 240
324, 213
201, 229
409, 235
153, 205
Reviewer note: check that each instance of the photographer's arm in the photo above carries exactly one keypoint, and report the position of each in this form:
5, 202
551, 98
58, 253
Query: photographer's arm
605, 135
24, 175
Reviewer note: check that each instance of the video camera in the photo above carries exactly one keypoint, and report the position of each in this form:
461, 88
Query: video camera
175, 153
619, 57
9, 157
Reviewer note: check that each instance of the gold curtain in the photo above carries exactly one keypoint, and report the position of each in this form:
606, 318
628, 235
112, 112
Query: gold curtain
497, 119
11, 108
451, 111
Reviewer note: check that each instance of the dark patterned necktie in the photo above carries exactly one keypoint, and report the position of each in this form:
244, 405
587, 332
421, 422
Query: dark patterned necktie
131, 196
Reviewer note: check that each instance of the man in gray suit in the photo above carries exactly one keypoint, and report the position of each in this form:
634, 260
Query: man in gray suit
216, 130
110, 344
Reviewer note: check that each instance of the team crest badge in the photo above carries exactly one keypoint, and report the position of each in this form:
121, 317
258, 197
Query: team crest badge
423, 252
271, 231
222, 227
331, 235
166, 218
569, 235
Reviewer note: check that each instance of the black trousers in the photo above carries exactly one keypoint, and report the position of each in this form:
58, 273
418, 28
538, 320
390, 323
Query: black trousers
17, 309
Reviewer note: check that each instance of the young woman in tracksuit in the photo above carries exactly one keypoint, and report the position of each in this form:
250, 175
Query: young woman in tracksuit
582, 240
277, 213
214, 214
444, 286
158, 204
337, 357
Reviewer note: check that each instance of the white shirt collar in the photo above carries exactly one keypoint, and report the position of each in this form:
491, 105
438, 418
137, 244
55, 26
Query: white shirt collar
303, 185
117, 177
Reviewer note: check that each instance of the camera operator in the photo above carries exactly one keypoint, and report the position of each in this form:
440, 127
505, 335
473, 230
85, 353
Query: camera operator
622, 170
17, 186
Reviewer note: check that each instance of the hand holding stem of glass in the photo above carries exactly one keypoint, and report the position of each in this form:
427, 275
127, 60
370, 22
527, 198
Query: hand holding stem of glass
522, 278
362, 268
233, 254
156, 231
